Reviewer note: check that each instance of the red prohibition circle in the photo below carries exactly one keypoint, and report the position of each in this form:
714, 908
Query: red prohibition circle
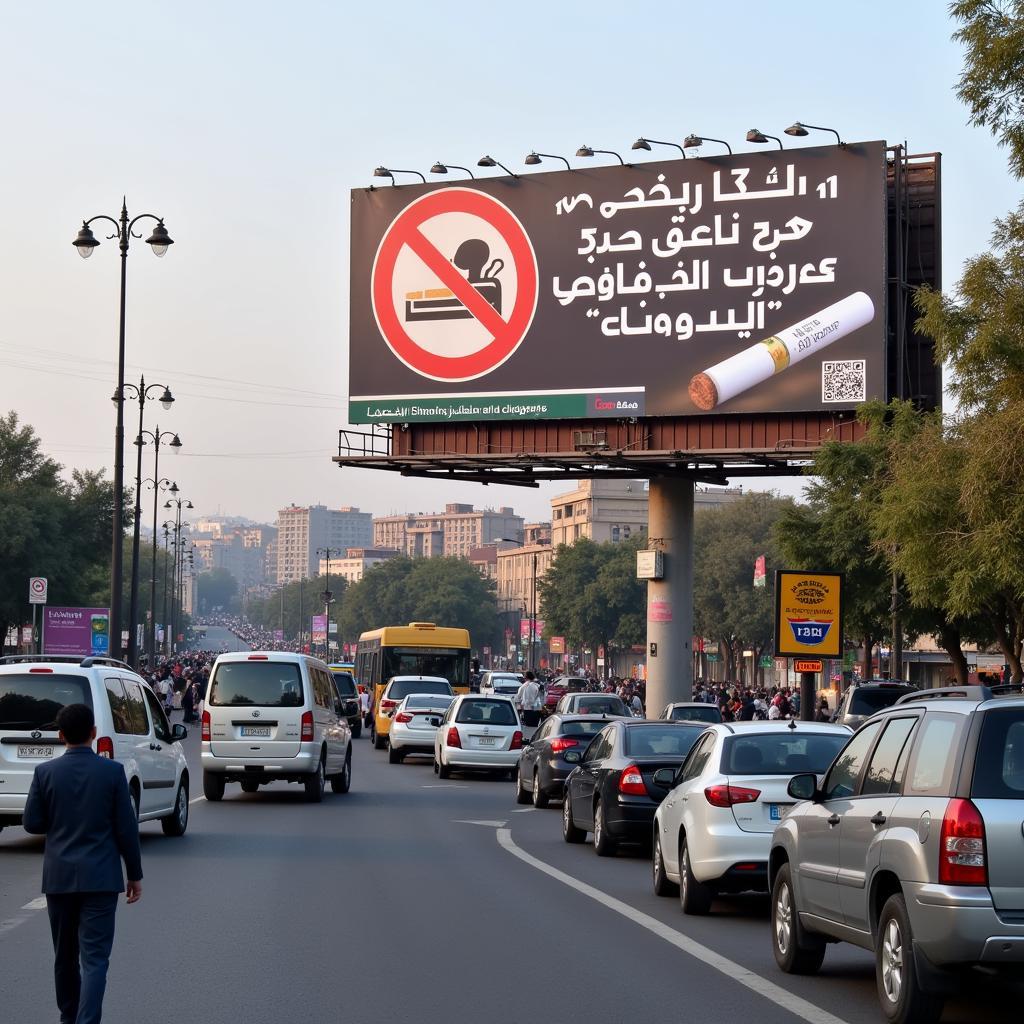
404, 230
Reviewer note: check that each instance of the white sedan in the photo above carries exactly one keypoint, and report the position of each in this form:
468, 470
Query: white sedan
478, 733
414, 724
713, 831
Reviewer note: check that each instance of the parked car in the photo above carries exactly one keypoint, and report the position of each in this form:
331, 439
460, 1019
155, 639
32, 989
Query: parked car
478, 732
397, 688
713, 832
543, 768
559, 687
273, 716
131, 728
612, 792
506, 683
593, 704
862, 700
348, 694
416, 720
691, 711
911, 847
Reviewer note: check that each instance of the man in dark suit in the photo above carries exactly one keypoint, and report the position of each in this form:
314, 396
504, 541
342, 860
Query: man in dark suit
81, 803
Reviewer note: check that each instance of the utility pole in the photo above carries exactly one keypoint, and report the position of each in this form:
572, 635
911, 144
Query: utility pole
896, 655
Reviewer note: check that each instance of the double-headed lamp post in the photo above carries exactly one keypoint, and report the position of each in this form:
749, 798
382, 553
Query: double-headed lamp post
159, 485
327, 597
159, 241
177, 504
168, 528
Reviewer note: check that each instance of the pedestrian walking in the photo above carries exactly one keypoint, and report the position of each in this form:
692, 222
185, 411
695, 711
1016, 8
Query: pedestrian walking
527, 699
81, 803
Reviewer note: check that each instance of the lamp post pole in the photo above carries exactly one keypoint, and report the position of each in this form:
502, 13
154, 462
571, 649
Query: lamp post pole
327, 596
533, 615
168, 527
177, 504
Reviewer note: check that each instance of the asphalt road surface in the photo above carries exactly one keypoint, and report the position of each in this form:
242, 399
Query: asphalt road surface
218, 639
415, 899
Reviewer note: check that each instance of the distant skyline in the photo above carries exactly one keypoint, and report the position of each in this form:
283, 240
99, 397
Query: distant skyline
246, 124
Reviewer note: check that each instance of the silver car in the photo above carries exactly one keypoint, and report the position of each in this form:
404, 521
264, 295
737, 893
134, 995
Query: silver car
415, 723
913, 847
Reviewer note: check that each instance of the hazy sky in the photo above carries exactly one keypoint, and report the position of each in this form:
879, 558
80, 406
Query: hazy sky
245, 124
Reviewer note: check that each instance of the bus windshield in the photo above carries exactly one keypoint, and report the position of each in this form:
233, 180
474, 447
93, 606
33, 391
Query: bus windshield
449, 663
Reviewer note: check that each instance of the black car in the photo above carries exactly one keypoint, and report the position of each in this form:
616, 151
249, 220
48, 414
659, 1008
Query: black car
862, 700
543, 768
348, 695
611, 791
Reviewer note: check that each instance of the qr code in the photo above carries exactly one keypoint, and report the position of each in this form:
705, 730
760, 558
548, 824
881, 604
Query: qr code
843, 380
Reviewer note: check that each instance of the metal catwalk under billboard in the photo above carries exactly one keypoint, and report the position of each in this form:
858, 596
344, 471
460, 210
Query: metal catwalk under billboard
746, 284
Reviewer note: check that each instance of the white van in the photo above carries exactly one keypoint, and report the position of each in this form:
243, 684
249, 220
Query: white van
274, 716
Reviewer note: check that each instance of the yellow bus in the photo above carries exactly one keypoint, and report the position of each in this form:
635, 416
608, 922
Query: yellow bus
419, 649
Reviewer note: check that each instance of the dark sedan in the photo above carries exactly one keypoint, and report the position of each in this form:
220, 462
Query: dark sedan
543, 768
348, 701
611, 791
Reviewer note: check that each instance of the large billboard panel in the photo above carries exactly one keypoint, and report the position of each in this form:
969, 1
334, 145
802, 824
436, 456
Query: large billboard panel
752, 283
808, 614
83, 631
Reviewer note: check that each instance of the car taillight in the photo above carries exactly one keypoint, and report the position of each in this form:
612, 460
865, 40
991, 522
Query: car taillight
453, 739
631, 781
726, 796
388, 705
517, 741
563, 743
403, 716
105, 747
307, 725
206, 726
962, 845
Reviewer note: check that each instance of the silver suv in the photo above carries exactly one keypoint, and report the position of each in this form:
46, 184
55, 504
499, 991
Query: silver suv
913, 847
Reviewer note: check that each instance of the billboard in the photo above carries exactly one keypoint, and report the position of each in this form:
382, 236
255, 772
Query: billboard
808, 614
82, 631
741, 284
319, 629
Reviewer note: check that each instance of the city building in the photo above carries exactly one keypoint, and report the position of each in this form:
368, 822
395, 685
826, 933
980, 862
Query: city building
537, 533
353, 565
454, 532
241, 550
303, 530
518, 571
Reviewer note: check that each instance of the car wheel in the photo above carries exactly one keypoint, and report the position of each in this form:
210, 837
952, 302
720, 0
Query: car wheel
662, 885
342, 782
443, 771
570, 833
899, 988
604, 843
394, 756
213, 786
694, 897
540, 798
316, 783
379, 742
796, 951
250, 787
177, 821
522, 797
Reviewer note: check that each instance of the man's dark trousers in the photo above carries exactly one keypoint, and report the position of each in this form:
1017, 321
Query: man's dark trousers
82, 925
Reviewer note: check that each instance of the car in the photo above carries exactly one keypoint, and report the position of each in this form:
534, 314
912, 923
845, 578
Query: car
506, 683
559, 687
691, 711
911, 848
348, 695
611, 791
131, 728
862, 700
397, 688
478, 733
542, 769
273, 717
414, 724
713, 832
592, 704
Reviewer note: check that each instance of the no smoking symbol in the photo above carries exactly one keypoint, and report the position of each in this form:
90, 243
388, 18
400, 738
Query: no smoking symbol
454, 284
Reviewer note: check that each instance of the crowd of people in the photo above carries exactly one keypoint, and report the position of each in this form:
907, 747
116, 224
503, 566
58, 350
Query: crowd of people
180, 682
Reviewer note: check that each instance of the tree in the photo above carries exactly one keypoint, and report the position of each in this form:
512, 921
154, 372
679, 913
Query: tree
292, 607
217, 588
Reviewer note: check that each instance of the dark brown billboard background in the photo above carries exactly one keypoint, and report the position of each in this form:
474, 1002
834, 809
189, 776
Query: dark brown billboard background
648, 277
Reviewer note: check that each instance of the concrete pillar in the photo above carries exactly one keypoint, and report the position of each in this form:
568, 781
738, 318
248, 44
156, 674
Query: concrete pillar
670, 600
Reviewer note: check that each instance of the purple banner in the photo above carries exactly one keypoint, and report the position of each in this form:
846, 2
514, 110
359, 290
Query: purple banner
81, 631
319, 629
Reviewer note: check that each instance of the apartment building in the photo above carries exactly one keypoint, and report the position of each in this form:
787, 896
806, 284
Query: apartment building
518, 570
355, 562
454, 532
303, 530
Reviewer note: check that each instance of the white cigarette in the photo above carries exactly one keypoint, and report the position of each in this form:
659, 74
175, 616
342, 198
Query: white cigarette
734, 375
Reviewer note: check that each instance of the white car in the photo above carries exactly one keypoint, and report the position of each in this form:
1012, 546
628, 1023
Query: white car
131, 728
713, 831
414, 724
504, 683
478, 732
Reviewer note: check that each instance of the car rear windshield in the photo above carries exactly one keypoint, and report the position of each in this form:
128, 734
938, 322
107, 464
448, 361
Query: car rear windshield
581, 728
345, 683
267, 684
657, 741
403, 687
487, 712
708, 713
786, 752
31, 701
440, 700
999, 767
868, 701
600, 706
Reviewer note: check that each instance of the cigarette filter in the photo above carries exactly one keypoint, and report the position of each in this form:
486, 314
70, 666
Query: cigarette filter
738, 373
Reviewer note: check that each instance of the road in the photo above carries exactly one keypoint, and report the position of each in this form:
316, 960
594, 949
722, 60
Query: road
413, 899
219, 639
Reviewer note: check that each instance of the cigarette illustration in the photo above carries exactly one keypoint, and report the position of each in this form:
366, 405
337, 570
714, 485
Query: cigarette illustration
738, 373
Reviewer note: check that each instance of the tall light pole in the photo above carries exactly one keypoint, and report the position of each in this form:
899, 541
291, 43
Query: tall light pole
327, 598
533, 615
159, 485
177, 504
168, 527
85, 242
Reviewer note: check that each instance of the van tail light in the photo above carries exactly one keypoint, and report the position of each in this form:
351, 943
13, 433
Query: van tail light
453, 739
105, 747
962, 845
563, 743
403, 716
517, 741
727, 796
206, 726
307, 725
631, 781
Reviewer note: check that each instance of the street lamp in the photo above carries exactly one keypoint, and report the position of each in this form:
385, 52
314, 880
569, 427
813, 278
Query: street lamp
440, 168
587, 151
85, 242
390, 172
693, 141
798, 130
534, 158
327, 597
489, 161
177, 504
643, 143
168, 528
760, 138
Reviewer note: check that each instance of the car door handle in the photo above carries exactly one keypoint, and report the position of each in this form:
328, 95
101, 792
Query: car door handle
878, 819
155, 746
833, 820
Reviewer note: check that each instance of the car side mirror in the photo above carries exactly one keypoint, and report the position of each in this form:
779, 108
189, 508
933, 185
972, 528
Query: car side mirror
803, 786
664, 777
178, 732
572, 757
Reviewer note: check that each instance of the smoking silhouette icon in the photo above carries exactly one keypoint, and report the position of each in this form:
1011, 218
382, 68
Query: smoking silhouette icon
472, 258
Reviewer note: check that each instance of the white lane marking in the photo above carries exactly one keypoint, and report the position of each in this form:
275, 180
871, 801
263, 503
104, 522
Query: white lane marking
488, 824
445, 785
524, 810
39, 903
734, 971
10, 924
196, 800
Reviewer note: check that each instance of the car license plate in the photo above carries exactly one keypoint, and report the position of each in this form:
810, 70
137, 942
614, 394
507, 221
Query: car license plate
776, 812
255, 730
487, 741
35, 753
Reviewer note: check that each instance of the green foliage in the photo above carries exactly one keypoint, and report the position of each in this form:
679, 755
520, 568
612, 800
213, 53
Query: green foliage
217, 588
293, 606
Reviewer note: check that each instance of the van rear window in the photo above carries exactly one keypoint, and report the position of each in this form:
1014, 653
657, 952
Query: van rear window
32, 701
266, 684
999, 767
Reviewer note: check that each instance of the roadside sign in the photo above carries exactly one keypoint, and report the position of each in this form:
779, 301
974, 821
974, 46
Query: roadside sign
807, 665
808, 613
454, 284
37, 588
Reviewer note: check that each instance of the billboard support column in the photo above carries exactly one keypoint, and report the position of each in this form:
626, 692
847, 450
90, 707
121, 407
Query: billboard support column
808, 696
670, 599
